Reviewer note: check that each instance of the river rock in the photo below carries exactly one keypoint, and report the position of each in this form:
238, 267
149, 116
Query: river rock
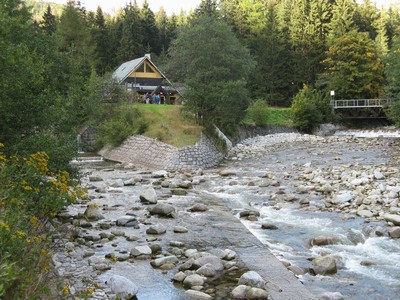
207, 270
342, 198
253, 279
148, 196
364, 213
229, 254
156, 229
394, 232
163, 210
93, 212
196, 295
256, 294
180, 276
164, 260
141, 251
117, 183
395, 219
180, 229
209, 259
194, 280
324, 240
159, 174
227, 172
198, 207
128, 221
122, 287
325, 265
269, 226
378, 174
240, 291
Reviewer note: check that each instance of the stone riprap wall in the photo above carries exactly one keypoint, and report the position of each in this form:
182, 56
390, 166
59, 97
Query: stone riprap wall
151, 154
142, 152
203, 156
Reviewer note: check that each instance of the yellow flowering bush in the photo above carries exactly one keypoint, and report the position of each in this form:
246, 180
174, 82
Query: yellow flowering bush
30, 195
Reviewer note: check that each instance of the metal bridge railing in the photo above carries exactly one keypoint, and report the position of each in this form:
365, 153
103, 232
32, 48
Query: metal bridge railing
360, 103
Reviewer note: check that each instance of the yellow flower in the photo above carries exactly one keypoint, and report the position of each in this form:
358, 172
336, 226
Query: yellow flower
66, 290
21, 234
5, 226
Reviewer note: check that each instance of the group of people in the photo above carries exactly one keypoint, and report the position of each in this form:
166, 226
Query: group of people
156, 99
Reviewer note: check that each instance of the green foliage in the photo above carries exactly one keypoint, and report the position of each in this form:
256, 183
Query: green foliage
309, 109
215, 70
353, 67
258, 112
392, 72
125, 120
30, 195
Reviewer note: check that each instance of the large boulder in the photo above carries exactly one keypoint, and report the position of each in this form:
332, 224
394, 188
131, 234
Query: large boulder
324, 240
163, 210
93, 212
148, 196
395, 219
325, 265
252, 279
122, 287
194, 280
210, 259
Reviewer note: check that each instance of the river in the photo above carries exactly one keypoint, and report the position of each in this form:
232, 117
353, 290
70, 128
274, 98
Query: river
368, 265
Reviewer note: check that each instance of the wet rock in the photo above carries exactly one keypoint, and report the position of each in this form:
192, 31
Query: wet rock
229, 254
128, 221
179, 192
395, 219
207, 270
193, 280
148, 196
122, 287
209, 259
325, 265
394, 232
378, 174
240, 292
249, 213
180, 229
196, 295
180, 276
253, 279
324, 240
157, 263
93, 212
198, 207
296, 270
256, 294
95, 178
342, 198
159, 174
269, 226
227, 172
141, 251
156, 229
155, 248
163, 210
364, 213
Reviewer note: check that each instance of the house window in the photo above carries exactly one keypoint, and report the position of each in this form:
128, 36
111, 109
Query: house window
149, 69
140, 68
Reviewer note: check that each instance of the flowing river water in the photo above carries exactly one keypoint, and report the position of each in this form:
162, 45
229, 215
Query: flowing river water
368, 265
272, 175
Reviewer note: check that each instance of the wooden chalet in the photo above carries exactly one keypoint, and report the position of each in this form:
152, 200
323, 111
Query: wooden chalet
142, 76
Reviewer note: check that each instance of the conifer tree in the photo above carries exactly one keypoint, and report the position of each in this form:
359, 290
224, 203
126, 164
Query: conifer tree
48, 24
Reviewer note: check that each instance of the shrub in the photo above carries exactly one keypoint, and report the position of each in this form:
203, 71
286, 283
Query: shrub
30, 195
258, 112
309, 109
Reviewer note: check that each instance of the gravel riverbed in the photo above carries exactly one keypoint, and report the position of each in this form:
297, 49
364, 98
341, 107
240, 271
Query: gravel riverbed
161, 235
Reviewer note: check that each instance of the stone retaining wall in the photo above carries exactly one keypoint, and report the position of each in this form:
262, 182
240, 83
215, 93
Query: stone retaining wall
151, 154
142, 152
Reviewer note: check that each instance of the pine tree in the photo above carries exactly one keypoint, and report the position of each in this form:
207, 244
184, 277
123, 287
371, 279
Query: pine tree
48, 24
101, 44
151, 35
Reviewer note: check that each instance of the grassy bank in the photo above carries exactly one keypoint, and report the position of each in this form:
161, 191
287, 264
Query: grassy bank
166, 123
272, 116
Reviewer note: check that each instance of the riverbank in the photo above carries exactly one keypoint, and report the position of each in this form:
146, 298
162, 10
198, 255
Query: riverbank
207, 207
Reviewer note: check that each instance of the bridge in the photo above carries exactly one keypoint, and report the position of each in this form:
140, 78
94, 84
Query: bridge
361, 108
